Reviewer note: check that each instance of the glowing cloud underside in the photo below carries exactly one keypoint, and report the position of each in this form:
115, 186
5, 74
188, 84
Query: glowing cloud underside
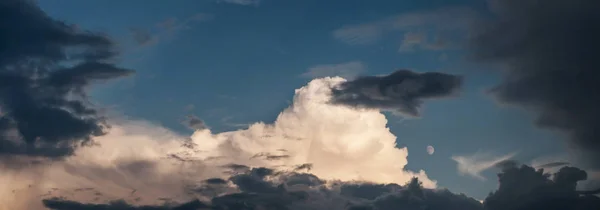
142, 162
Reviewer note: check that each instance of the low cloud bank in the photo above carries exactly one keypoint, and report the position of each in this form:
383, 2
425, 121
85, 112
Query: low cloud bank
521, 187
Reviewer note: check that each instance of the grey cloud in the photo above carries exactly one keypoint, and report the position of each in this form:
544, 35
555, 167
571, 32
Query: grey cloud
269, 156
446, 22
302, 179
141, 36
45, 66
242, 2
263, 188
552, 165
521, 188
306, 166
195, 123
550, 51
60, 204
236, 168
525, 188
215, 181
413, 41
402, 91
165, 29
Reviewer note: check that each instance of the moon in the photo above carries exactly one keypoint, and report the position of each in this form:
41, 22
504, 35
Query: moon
430, 150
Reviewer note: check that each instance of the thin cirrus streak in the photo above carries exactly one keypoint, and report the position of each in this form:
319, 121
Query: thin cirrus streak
474, 164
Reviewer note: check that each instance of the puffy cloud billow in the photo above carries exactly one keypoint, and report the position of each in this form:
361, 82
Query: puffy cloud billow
146, 164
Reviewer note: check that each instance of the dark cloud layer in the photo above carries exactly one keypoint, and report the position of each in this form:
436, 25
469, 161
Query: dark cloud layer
550, 49
45, 66
59, 204
521, 188
524, 188
402, 91
263, 188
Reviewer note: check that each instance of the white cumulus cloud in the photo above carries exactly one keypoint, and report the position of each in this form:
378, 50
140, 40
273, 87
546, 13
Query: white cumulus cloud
144, 163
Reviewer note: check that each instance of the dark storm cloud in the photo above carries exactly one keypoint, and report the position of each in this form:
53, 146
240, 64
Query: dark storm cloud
195, 123
263, 188
402, 91
45, 66
59, 204
521, 187
550, 49
524, 188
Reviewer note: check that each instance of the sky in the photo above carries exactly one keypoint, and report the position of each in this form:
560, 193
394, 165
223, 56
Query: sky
242, 66
246, 76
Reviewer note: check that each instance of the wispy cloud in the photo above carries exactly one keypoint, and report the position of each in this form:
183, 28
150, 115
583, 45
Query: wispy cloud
347, 70
242, 2
227, 122
442, 23
473, 165
413, 41
166, 29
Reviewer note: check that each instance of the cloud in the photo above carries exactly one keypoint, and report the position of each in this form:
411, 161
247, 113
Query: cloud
475, 164
195, 123
347, 70
242, 2
360, 34
166, 29
60, 204
413, 41
141, 36
262, 188
425, 30
159, 165
523, 187
402, 92
548, 49
520, 187
312, 130
45, 67
552, 164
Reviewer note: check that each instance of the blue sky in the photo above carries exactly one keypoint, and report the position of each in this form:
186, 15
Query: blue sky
232, 64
